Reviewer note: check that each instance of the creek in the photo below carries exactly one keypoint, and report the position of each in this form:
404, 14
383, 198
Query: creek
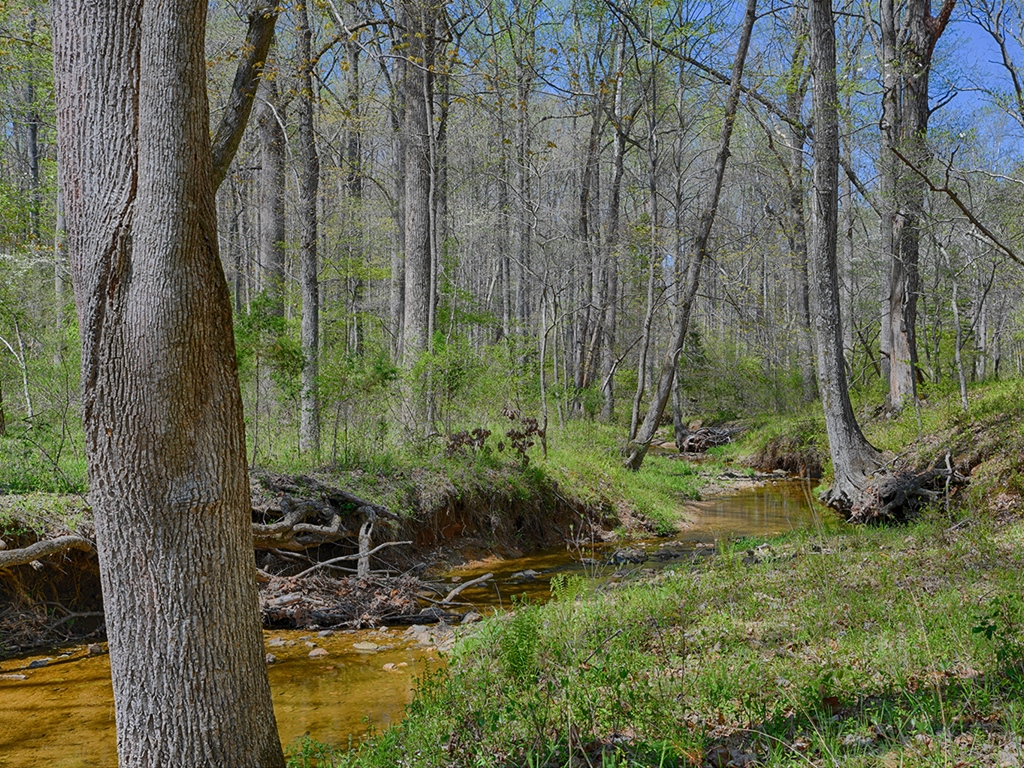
62, 714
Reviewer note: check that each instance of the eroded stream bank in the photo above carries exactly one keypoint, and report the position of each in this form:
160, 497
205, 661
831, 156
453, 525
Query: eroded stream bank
334, 687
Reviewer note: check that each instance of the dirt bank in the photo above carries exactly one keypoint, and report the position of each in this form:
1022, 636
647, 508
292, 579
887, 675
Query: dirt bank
443, 521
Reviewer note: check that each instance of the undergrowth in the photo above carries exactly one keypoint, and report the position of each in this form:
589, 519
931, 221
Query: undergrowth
854, 647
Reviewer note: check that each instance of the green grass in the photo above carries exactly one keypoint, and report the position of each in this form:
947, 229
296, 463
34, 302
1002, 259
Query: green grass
585, 460
853, 648
34, 460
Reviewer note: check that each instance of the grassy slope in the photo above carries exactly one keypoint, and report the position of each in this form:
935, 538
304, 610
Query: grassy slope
852, 647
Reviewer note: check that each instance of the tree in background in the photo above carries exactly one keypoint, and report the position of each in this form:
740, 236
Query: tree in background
906, 66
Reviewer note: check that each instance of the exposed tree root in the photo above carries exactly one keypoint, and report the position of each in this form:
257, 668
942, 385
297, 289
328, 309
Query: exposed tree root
296, 513
900, 494
704, 438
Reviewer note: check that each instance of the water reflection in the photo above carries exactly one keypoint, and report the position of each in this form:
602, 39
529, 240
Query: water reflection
62, 715
763, 509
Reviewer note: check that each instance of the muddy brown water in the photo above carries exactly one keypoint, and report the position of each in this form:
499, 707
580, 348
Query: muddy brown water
62, 715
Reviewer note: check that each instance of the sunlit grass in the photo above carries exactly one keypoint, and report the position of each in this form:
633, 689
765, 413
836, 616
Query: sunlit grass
862, 647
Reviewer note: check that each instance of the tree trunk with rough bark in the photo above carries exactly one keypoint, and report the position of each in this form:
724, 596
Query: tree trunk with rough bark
419, 30
309, 186
905, 112
853, 458
162, 408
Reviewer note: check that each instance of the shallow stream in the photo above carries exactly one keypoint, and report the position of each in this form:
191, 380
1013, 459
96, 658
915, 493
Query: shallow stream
61, 715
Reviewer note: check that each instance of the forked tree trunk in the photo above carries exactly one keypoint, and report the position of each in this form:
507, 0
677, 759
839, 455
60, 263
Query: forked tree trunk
853, 458
638, 447
905, 128
162, 408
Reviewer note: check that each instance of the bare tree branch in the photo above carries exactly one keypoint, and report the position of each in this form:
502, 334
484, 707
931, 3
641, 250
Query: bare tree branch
12, 557
243, 91
345, 558
955, 198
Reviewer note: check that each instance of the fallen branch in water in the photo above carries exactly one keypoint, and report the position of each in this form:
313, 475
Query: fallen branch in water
455, 592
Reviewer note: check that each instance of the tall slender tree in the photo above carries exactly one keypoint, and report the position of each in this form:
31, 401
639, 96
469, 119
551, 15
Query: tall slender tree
670, 362
418, 19
853, 458
309, 186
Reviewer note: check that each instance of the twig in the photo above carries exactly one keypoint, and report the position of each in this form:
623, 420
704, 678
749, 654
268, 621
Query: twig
443, 602
604, 642
343, 558
70, 616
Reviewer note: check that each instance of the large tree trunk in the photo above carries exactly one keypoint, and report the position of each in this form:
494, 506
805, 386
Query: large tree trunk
638, 447
905, 116
162, 408
309, 186
853, 458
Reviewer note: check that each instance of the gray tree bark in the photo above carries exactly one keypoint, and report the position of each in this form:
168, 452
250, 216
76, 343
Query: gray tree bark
797, 90
235, 117
309, 186
419, 30
853, 458
272, 180
162, 408
905, 113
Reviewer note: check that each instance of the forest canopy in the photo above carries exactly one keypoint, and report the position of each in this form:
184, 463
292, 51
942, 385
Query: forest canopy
505, 199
